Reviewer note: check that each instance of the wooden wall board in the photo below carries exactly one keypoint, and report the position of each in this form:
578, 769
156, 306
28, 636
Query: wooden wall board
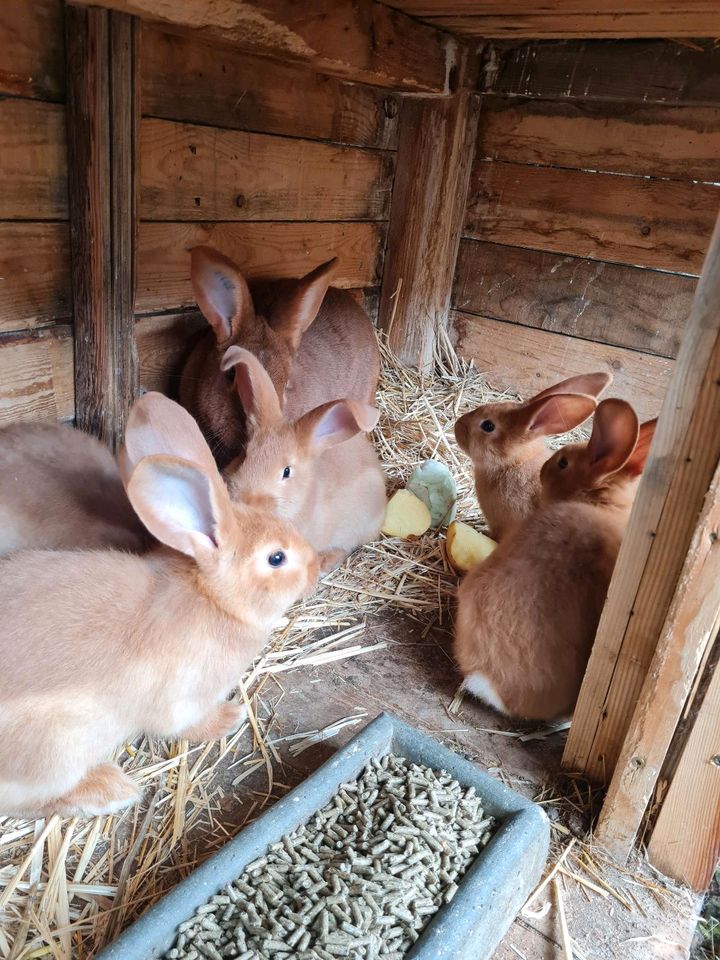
358, 40
651, 223
658, 141
525, 360
34, 180
191, 172
32, 41
185, 79
663, 71
163, 344
642, 309
261, 250
36, 375
34, 274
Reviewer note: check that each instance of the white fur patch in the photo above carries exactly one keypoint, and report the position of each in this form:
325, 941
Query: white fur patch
479, 686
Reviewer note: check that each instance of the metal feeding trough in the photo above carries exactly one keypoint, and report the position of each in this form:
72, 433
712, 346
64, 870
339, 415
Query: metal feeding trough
470, 926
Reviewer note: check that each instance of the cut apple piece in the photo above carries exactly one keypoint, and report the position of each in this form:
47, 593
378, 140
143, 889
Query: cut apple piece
405, 516
467, 547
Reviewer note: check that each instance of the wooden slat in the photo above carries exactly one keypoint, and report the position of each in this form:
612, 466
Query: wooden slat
34, 274
641, 309
525, 360
663, 71
260, 249
184, 79
355, 39
683, 459
190, 172
31, 38
676, 142
649, 223
34, 184
692, 624
36, 375
434, 157
163, 344
685, 843
103, 115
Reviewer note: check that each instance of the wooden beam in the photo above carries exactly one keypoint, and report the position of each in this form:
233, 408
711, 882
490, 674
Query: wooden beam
103, 115
683, 459
433, 168
358, 40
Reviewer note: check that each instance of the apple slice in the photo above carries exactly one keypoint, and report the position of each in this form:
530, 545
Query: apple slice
467, 547
405, 516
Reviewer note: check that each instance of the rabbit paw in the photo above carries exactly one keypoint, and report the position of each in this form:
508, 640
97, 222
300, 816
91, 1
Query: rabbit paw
104, 789
223, 720
330, 559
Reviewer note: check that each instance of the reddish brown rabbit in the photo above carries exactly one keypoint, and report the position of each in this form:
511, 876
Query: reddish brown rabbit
316, 343
527, 615
507, 445
99, 646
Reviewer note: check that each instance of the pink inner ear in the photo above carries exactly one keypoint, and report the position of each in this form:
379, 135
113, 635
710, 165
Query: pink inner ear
557, 414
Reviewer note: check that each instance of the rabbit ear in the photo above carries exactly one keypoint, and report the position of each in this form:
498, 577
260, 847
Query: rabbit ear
557, 414
591, 384
636, 464
254, 386
291, 318
330, 424
614, 437
158, 425
179, 504
221, 292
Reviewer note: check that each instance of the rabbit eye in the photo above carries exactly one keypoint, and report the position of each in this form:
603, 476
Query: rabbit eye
488, 426
286, 473
277, 559
562, 463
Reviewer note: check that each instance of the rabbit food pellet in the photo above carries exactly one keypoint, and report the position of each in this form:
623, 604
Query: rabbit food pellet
360, 880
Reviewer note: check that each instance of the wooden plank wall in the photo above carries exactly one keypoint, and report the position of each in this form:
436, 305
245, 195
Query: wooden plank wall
589, 211
275, 165
36, 351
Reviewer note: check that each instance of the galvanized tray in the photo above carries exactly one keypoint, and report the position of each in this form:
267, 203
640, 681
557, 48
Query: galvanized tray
469, 928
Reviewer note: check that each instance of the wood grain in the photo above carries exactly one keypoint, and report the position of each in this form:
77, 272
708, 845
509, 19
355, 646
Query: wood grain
190, 172
683, 459
260, 249
357, 40
524, 360
677, 142
34, 185
663, 71
433, 169
649, 223
32, 49
692, 623
184, 79
163, 345
642, 309
34, 274
36, 375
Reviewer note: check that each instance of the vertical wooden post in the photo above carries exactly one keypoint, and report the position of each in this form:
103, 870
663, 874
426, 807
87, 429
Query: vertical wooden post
435, 151
682, 462
102, 121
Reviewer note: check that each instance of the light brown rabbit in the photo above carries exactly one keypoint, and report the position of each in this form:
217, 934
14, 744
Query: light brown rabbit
527, 615
60, 489
318, 471
315, 341
99, 646
507, 445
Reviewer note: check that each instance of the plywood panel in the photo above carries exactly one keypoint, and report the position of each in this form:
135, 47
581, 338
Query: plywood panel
261, 250
34, 184
642, 309
34, 274
678, 142
526, 360
650, 223
36, 376
31, 38
184, 79
190, 172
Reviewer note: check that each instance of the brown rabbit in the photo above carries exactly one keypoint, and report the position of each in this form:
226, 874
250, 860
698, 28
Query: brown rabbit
60, 489
506, 443
315, 341
318, 471
527, 615
99, 646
